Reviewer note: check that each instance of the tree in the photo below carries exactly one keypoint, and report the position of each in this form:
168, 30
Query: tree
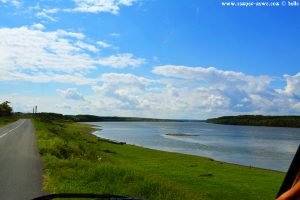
5, 109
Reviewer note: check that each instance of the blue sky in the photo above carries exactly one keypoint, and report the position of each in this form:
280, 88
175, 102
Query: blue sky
149, 58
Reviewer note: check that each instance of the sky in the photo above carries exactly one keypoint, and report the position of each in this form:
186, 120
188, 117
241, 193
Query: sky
183, 59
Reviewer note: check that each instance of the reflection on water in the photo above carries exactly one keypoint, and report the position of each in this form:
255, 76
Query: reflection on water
265, 147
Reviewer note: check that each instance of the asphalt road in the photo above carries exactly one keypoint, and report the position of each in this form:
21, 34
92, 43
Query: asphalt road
20, 163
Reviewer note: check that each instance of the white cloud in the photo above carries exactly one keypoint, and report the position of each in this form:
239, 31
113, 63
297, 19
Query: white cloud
231, 92
213, 76
121, 61
98, 6
71, 34
38, 26
46, 14
64, 106
35, 55
25, 103
71, 93
86, 46
293, 84
142, 96
115, 34
121, 85
49, 77
125, 79
103, 44
15, 3
123, 91
132, 95
51, 11
297, 107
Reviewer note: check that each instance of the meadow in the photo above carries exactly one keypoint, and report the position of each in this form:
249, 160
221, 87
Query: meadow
77, 161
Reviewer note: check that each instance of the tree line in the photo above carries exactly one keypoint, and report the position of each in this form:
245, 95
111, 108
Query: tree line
258, 120
93, 118
5, 109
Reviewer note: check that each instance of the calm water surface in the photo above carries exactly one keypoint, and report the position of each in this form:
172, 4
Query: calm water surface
265, 147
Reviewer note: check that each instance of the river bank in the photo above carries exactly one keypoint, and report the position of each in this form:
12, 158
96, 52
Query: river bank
76, 161
262, 147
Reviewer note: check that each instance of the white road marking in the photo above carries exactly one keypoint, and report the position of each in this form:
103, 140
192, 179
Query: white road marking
1, 136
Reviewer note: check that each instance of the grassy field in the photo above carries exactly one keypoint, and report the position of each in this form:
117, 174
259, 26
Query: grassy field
7, 120
76, 161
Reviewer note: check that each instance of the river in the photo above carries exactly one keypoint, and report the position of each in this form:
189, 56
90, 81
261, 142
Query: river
263, 147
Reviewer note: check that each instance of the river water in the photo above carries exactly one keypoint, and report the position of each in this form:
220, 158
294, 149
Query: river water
264, 147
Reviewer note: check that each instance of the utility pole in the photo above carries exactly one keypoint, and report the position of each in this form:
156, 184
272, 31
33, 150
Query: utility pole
34, 111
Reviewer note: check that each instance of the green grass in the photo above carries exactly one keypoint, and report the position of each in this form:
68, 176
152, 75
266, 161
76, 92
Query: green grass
7, 120
76, 161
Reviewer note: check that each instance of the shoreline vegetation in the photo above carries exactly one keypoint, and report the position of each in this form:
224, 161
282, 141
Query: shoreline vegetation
243, 120
93, 118
258, 120
77, 161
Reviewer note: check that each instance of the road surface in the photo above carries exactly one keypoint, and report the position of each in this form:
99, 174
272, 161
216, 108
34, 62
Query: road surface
20, 162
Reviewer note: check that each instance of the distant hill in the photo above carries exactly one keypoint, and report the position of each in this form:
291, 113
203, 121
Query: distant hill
94, 118
258, 120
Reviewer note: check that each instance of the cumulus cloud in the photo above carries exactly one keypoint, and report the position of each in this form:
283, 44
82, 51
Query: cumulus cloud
15, 3
233, 92
131, 95
213, 76
86, 46
125, 90
36, 55
38, 26
103, 44
80, 6
293, 84
125, 78
148, 97
98, 6
59, 104
189, 95
71, 93
116, 84
33, 54
121, 61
